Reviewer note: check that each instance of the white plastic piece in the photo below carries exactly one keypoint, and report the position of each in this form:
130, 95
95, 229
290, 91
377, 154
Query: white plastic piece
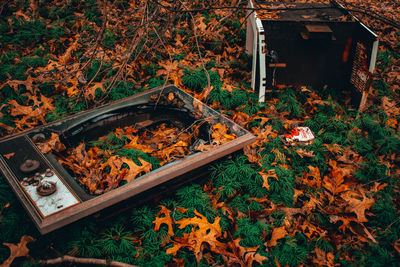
300, 134
61, 199
256, 42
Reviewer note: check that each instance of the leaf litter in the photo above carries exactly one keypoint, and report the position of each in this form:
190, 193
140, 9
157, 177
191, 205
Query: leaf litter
333, 202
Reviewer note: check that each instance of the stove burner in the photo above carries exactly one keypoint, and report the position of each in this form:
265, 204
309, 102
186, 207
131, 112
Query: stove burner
48, 173
29, 166
54, 198
40, 137
46, 188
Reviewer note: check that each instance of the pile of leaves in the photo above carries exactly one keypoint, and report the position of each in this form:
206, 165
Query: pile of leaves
333, 202
127, 153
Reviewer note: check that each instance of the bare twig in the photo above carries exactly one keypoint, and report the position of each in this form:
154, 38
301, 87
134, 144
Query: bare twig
227, 16
71, 259
355, 10
99, 37
197, 45
140, 34
170, 60
202, 121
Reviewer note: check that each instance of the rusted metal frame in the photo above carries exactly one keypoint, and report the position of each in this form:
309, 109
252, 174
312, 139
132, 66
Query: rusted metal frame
257, 37
141, 184
372, 63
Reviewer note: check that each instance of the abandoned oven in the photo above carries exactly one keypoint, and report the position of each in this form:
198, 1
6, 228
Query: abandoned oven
312, 44
51, 193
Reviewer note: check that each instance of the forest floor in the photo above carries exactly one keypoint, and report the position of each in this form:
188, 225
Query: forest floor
334, 202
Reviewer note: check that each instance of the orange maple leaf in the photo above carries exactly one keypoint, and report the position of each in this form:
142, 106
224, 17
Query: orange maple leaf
134, 169
51, 144
158, 221
19, 250
265, 176
312, 178
277, 233
358, 203
203, 232
245, 256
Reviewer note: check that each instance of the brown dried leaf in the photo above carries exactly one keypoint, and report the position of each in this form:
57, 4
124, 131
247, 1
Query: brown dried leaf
203, 232
335, 182
136, 170
312, 178
158, 221
220, 134
277, 233
397, 246
268, 174
90, 92
51, 144
19, 250
323, 258
136, 145
9, 155
304, 153
356, 205
390, 107
245, 256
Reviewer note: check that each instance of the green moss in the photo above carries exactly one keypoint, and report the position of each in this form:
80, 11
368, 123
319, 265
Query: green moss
134, 154
197, 79
109, 39
250, 232
289, 103
122, 90
92, 12
288, 252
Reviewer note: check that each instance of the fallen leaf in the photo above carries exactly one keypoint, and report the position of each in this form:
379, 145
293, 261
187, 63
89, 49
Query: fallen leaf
220, 134
312, 178
277, 233
9, 155
265, 176
245, 256
397, 245
90, 92
304, 153
51, 144
311, 231
158, 221
134, 169
203, 232
358, 203
323, 258
19, 250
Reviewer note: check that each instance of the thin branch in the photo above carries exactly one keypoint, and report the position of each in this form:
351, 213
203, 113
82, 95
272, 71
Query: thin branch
71, 259
99, 37
355, 10
197, 45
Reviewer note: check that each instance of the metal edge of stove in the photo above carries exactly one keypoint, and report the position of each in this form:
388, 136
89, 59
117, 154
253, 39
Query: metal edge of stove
141, 184
255, 44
